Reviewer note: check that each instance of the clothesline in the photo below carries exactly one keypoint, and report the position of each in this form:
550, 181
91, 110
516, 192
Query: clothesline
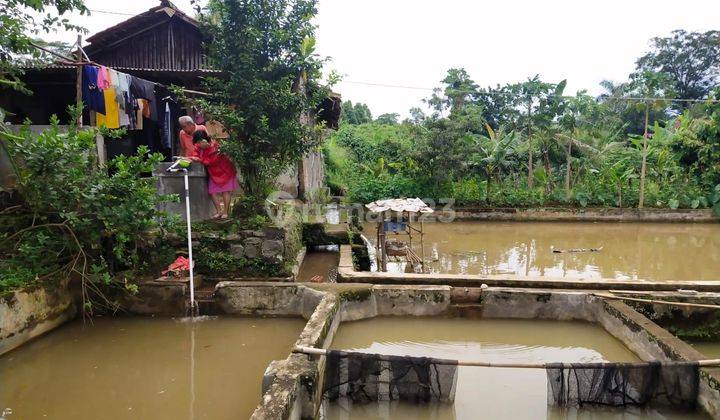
71, 62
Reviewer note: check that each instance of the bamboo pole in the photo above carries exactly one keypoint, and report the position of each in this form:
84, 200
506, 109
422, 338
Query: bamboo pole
701, 363
78, 82
659, 302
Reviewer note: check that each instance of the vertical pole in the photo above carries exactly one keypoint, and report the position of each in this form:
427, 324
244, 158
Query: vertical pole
78, 82
422, 244
189, 240
643, 168
567, 170
531, 181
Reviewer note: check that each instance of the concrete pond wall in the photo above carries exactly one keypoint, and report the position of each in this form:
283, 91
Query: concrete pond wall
292, 387
26, 314
556, 214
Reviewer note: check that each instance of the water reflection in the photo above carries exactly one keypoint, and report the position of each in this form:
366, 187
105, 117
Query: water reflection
647, 251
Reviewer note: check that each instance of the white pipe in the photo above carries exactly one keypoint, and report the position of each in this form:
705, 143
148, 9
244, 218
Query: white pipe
189, 240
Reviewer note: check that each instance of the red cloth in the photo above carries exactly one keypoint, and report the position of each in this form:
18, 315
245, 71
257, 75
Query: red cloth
186, 141
180, 267
219, 166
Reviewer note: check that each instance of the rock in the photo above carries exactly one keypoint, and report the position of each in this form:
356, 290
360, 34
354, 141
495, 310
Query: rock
237, 250
274, 233
252, 247
233, 237
272, 249
258, 234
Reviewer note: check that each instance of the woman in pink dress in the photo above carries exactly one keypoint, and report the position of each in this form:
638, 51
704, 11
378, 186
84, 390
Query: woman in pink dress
221, 171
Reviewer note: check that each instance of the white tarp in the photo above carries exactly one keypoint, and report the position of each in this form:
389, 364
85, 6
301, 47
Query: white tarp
412, 205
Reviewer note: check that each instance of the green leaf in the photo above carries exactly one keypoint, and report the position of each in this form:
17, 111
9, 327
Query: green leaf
674, 203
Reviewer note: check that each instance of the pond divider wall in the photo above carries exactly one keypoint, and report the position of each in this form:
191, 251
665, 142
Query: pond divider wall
292, 387
348, 274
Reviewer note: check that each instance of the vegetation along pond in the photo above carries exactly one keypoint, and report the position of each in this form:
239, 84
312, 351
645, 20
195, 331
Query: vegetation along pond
145, 368
629, 251
495, 392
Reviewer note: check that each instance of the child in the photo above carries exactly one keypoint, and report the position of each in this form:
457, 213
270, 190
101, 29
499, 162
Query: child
223, 175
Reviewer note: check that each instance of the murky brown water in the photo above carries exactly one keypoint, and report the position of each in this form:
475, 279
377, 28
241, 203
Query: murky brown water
322, 264
144, 368
490, 393
710, 350
648, 251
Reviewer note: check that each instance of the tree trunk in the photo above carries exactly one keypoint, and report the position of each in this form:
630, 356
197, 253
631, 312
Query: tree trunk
548, 171
620, 194
644, 158
567, 170
487, 189
531, 181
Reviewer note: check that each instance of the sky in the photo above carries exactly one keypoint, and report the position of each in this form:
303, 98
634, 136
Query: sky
412, 43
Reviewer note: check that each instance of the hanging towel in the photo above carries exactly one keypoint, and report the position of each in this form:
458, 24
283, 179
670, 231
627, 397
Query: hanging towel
103, 78
111, 117
92, 96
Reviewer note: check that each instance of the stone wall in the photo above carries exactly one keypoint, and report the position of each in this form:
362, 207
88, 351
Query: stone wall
26, 314
579, 215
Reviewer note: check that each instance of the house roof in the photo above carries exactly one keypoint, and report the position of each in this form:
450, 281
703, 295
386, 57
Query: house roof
165, 11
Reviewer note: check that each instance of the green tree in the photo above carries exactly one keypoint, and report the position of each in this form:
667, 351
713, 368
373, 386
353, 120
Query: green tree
21, 21
265, 49
690, 59
389, 119
494, 152
355, 114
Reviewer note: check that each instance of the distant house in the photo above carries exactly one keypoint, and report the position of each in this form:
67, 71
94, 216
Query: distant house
162, 45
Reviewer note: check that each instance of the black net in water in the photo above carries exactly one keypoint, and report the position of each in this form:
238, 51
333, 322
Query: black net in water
674, 385
364, 378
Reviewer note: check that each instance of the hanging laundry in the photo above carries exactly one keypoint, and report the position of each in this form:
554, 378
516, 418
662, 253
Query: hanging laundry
144, 89
104, 78
167, 130
116, 81
91, 95
111, 117
139, 114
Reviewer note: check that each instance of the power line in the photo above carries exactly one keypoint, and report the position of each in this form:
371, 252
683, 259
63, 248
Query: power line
108, 12
608, 97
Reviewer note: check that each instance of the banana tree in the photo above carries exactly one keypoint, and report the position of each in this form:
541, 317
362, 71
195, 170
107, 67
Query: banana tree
494, 152
651, 87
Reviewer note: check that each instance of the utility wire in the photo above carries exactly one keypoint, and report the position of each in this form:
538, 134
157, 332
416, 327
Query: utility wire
108, 12
605, 97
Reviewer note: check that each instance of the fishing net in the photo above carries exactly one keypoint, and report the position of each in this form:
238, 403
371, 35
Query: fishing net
673, 385
365, 378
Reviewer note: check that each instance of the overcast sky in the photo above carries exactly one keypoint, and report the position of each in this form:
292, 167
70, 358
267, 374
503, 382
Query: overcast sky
412, 43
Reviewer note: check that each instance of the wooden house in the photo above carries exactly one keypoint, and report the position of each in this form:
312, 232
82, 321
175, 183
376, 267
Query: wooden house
163, 45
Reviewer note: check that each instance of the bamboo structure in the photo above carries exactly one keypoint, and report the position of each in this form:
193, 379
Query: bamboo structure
397, 216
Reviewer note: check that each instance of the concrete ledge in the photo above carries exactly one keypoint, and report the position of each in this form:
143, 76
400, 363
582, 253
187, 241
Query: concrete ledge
26, 314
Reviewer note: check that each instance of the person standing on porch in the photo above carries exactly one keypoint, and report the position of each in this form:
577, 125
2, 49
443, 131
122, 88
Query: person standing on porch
188, 129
